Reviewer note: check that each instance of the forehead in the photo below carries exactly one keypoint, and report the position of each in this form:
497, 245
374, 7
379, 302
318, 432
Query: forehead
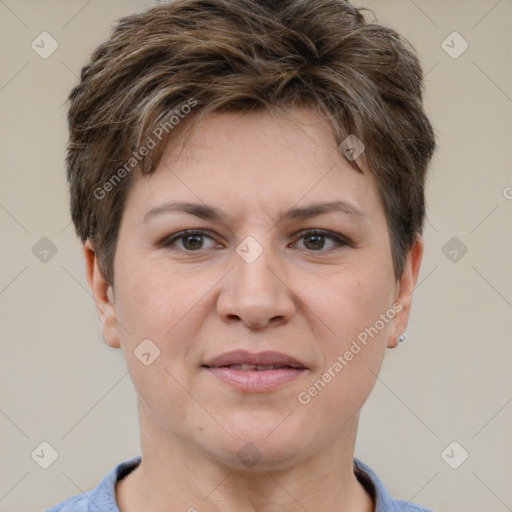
256, 161
260, 136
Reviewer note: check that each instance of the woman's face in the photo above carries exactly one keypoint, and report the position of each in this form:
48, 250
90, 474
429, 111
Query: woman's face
254, 280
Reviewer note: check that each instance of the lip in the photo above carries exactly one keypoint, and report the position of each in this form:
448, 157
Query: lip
261, 358
255, 380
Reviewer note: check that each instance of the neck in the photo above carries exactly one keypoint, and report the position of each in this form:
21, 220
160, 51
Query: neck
174, 473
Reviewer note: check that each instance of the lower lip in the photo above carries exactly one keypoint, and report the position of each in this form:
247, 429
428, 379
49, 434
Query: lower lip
254, 381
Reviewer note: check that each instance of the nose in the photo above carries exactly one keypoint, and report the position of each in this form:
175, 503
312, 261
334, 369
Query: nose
255, 293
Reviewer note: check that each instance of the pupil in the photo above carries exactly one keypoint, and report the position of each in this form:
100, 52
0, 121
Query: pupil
319, 241
197, 241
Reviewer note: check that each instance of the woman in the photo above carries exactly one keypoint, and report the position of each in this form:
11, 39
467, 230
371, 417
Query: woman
247, 179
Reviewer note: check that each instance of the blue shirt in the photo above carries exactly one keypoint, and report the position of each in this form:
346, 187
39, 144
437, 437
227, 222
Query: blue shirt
103, 497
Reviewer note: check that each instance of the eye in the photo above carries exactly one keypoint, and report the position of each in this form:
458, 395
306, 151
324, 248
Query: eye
193, 240
190, 240
315, 240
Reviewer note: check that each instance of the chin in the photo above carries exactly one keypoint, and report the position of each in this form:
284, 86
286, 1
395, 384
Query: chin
259, 442
257, 457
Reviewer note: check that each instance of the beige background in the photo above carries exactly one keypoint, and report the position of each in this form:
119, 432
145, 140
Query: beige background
451, 380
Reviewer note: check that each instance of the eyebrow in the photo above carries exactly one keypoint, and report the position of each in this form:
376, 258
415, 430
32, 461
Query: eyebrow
207, 212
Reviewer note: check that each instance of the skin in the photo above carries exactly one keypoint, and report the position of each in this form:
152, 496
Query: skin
306, 297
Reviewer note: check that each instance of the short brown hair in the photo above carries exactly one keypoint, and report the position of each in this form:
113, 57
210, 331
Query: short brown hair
241, 55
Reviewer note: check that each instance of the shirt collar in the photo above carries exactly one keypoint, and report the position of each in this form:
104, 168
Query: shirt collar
103, 496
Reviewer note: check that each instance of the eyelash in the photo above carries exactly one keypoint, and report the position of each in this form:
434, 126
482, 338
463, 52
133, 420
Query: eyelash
339, 240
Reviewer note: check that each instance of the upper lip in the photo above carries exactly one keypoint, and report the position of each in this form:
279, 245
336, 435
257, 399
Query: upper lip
261, 359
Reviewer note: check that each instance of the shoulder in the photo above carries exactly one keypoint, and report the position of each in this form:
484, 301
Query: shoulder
406, 506
78, 503
102, 498
383, 501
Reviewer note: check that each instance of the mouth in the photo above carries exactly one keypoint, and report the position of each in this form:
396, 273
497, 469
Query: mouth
255, 372
256, 367
247, 361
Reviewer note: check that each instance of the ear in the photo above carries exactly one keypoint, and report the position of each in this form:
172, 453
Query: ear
405, 286
103, 295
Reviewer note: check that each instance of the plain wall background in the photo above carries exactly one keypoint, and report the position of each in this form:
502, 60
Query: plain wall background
450, 381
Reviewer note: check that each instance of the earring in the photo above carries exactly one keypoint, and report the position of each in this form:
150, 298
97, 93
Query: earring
401, 338
110, 294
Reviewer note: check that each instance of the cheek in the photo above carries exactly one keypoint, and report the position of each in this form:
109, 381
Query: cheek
352, 338
354, 300
353, 319
163, 308
149, 303
166, 306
